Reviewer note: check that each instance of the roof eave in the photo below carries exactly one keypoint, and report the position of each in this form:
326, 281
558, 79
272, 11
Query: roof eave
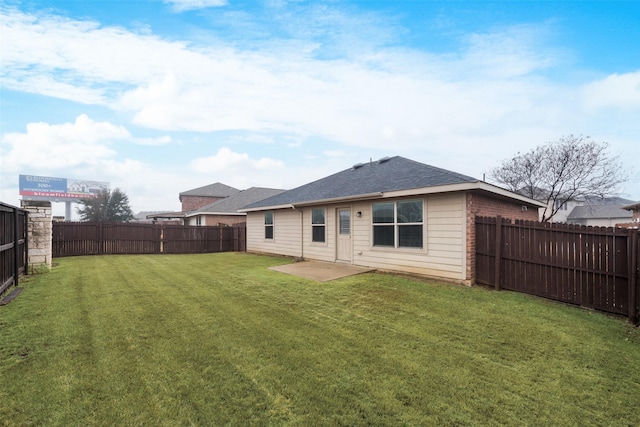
267, 208
192, 214
466, 186
448, 188
632, 206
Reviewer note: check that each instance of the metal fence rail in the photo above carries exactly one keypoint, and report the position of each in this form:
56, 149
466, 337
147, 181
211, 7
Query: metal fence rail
594, 267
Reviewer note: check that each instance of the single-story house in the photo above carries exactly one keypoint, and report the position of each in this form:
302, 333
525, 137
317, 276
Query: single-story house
392, 214
225, 211
605, 212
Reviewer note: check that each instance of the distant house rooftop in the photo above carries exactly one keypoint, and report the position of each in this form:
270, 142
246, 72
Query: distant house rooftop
592, 211
212, 190
231, 204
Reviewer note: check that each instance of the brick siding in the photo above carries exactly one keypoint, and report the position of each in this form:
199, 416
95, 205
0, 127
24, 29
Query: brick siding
191, 203
484, 205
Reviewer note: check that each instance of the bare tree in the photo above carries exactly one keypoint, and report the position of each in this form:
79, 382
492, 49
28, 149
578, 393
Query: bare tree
567, 169
106, 206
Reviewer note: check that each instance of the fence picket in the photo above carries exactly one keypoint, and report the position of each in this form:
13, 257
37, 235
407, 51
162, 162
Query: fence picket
88, 238
13, 245
593, 267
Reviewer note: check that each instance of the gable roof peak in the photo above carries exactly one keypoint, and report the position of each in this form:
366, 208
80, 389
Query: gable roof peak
216, 189
384, 175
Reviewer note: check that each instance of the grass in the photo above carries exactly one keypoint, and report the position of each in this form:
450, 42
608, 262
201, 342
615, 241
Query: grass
218, 339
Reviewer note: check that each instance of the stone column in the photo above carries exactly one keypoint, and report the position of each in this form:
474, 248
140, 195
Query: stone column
40, 232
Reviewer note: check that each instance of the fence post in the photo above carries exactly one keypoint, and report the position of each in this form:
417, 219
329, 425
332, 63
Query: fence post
25, 236
100, 238
16, 252
632, 253
498, 251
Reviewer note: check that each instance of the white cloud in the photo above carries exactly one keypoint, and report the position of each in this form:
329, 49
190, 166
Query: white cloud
227, 161
366, 99
620, 91
321, 85
184, 5
46, 147
162, 140
85, 149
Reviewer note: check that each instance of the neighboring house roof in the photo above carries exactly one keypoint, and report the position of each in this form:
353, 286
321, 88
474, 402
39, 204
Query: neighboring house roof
165, 215
212, 190
632, 206
231, 204
142, 215
389, 174
599, 201
598, 211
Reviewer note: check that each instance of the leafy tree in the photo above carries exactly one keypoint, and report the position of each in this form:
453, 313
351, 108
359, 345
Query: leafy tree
567, 169
106, 206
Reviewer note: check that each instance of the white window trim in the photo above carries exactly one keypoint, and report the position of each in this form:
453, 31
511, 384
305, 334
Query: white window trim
396, 224
324, 224
272, 225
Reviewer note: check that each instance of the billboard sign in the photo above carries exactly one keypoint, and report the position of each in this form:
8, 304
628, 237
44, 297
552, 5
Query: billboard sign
49, 188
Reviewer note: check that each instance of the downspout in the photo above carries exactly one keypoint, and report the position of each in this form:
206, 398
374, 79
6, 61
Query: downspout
301, 231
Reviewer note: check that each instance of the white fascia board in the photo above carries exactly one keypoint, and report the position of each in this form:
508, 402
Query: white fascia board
267, 208
189, 215
316, 202
465, 186
339, 199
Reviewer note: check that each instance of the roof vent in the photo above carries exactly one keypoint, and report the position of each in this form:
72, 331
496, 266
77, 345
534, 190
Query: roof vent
358, 165
384, 159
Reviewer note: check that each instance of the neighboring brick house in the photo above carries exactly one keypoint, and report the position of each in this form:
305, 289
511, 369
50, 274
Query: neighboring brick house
202, 196
195, 199
225, 211
393, 214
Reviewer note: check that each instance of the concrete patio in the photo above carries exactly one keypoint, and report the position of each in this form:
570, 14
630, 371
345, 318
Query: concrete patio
321, 271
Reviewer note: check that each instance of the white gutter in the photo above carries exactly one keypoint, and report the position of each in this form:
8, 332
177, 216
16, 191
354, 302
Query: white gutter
340, 199
190, 214
465, 186
315, 202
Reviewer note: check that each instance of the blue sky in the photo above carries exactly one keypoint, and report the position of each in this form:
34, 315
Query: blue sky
159, 97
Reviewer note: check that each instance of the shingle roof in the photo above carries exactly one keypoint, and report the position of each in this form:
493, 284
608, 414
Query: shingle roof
237, 201
212, 190
387, 174
599, 211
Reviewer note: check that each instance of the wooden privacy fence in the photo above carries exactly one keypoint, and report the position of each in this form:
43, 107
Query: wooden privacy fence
594, 267
99, 238
13, 245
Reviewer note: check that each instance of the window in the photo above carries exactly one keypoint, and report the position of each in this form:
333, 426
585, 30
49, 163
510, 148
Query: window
560, 205
268, 225
317, 225
398, 224
345, 222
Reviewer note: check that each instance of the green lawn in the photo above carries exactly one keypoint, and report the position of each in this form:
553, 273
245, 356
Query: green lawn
218, 339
